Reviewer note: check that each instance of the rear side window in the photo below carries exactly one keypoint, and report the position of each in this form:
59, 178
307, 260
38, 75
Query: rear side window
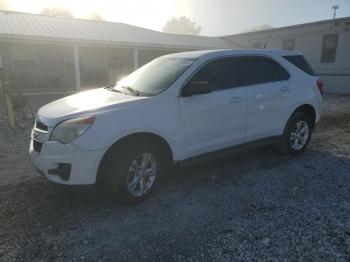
220, 74
300, 62
258, 70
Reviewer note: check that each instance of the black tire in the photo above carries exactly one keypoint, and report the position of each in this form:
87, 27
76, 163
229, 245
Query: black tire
115, 172
285, 144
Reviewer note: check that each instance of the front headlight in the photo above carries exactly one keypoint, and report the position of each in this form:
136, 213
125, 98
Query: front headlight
69, 130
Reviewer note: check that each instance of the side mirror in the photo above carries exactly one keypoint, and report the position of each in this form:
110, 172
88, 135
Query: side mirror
196, 88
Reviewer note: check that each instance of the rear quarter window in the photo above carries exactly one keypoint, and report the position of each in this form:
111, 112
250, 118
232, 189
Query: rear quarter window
300, 62
258, 70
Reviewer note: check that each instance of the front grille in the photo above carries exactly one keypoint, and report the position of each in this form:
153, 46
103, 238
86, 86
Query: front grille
37, 146
41, 126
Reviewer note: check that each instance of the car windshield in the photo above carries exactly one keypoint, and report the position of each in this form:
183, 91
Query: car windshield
154, 77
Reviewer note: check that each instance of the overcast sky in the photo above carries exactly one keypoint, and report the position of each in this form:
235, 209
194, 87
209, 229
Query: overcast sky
216, 17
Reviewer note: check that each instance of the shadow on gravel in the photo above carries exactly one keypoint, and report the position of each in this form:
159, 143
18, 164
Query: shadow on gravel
39, 220
39, 192
249, 206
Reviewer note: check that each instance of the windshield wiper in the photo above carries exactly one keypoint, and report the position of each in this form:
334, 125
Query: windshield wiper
130, 90
134, 91
112, 88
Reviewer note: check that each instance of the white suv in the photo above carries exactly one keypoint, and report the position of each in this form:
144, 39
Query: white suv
177, 107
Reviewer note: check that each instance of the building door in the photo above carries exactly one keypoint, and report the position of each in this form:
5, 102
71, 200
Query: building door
115, 72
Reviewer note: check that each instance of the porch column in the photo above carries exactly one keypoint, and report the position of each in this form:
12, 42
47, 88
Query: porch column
136, 58
77, 67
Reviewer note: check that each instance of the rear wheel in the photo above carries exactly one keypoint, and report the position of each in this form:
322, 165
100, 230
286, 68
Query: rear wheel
297, 134
133, 170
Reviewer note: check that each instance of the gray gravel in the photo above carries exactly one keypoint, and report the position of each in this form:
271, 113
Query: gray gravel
255, 205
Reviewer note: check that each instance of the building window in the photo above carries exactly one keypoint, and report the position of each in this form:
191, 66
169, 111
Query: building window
24, 58
69, 64
68, 60
256, 45
25, 64
289, 44
115, 64
329, 48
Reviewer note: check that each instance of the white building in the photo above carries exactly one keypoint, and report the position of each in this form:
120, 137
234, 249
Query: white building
325, 44
45, 53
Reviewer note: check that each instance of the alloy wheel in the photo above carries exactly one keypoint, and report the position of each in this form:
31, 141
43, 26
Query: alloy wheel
141, 174
299, 135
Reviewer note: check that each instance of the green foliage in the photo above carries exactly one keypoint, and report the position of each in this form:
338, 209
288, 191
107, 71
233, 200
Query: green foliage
182, 25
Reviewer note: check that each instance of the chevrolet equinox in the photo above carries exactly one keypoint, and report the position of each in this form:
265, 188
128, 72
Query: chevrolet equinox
178, 107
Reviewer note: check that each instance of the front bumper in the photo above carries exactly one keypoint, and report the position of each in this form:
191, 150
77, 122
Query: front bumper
54, 159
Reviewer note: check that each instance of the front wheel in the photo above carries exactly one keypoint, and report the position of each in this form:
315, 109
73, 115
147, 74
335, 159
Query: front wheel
141, 174
297, 134
133, 171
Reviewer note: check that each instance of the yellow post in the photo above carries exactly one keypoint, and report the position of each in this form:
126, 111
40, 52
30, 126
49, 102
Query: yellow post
10, 111
2, 83
5, 77
2, 92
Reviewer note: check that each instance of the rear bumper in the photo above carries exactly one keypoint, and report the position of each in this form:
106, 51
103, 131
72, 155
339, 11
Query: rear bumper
66, 164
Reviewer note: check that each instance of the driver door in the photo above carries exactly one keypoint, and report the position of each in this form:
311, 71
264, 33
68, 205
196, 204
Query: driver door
216, 120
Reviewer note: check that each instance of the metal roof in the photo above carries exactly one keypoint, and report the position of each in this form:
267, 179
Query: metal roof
24, 26
274, 29
224, 52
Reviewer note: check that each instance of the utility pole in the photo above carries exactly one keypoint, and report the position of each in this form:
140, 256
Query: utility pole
335, 8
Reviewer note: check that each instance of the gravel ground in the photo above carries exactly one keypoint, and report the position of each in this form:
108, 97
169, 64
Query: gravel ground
254, 205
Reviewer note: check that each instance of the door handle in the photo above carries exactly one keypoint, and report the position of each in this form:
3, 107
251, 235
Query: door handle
285, 89
236, 99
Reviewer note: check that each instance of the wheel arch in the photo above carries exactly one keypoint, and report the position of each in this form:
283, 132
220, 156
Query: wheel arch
308, 110
134, 138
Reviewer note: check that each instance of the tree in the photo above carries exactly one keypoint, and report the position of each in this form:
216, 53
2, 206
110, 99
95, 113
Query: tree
182, 25
259, 28
56, 11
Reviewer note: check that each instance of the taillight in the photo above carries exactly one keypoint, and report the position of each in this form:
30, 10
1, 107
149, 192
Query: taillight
320, 86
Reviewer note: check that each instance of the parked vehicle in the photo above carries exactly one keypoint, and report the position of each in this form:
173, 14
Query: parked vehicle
178, 107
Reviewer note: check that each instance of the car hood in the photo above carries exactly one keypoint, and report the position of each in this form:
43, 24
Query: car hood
83, 103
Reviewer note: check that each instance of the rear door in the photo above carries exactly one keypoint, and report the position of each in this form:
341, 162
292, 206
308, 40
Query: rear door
216, 120
267, 88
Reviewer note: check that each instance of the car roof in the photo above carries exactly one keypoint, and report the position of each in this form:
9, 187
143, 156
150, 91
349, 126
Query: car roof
223, 52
